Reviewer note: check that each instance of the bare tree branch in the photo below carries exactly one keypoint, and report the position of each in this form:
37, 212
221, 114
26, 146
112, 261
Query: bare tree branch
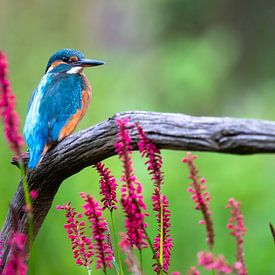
168, 131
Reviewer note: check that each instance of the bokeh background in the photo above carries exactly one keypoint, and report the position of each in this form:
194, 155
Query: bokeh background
212, 58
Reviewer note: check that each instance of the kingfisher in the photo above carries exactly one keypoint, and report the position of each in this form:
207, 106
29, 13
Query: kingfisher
58, 103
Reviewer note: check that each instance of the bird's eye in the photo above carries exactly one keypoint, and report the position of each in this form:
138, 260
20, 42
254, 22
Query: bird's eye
65, 59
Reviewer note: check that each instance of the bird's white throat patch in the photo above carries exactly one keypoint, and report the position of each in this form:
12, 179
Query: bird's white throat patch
75, 70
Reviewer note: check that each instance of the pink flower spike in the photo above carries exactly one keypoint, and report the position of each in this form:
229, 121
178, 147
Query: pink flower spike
108, 187
152, 153
160, 203
200, 197
103, 251
81, 245
237, 229
131, 190
17, 260
163, 242
7, 109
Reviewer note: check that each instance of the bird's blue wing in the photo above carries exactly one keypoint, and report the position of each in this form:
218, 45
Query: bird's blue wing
61, 100
56, 99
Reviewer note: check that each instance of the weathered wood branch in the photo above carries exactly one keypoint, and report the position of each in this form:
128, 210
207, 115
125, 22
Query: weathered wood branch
168, 131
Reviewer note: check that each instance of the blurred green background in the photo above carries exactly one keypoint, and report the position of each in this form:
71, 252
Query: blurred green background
212, 58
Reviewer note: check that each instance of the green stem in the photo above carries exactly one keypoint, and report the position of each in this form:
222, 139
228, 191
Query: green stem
153, 250
89, 271
116, 244
28, 203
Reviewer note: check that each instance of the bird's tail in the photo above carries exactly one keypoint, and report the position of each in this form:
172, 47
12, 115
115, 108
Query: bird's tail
35, 156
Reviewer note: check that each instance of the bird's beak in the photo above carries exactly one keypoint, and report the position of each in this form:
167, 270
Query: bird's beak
87, 63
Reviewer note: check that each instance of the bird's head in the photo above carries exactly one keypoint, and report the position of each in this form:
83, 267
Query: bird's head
69, 61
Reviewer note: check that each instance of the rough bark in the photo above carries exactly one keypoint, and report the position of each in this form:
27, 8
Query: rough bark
168, 131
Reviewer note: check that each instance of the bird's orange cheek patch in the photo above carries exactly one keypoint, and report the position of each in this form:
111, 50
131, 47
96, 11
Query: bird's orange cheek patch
54, 64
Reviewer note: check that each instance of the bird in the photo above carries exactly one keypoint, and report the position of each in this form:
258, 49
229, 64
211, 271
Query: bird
58, 103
